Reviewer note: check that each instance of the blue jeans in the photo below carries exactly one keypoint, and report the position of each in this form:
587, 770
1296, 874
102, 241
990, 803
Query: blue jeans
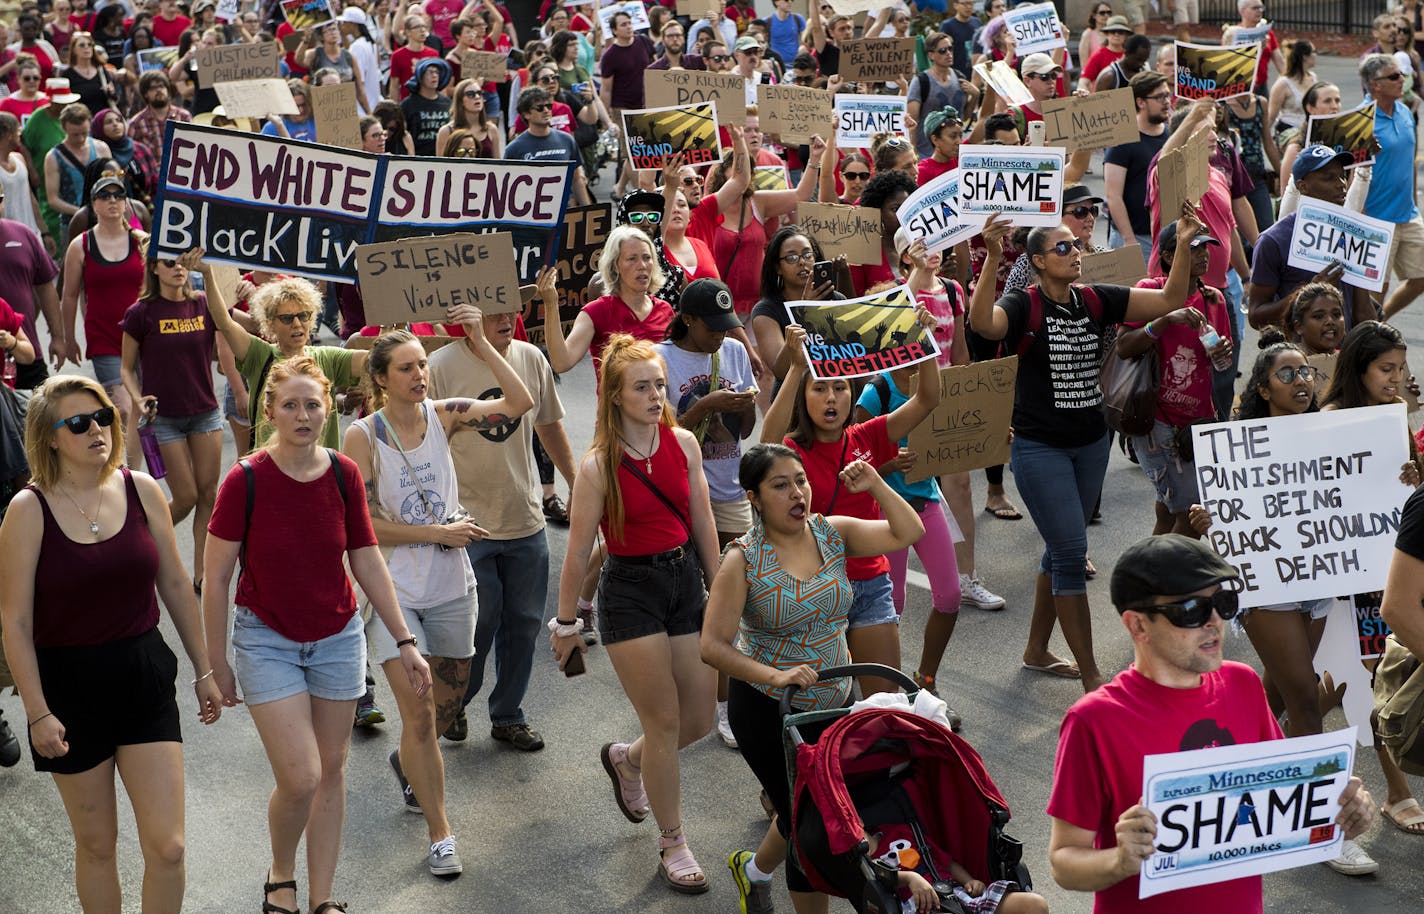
1040, 472
513, 580
1223, 383
1144, 242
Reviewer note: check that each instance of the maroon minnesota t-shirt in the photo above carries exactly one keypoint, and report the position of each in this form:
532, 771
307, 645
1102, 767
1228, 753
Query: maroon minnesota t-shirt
175, 354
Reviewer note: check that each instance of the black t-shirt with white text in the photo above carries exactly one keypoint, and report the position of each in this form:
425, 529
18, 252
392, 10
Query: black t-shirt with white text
423, 119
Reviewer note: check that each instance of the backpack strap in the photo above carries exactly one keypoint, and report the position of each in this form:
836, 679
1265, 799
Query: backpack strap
882, 387
250, 479
340, 475
1035, 320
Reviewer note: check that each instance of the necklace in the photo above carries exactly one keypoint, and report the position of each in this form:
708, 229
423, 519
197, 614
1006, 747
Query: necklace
93, 524
648, 457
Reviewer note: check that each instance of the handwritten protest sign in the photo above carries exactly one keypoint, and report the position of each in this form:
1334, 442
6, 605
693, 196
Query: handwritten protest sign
863, 336
850, 230
1325, 234
1119, 267
429, 343
256, 98
970, 427
877, 59
1351, 131
419, 279
1305, 506
585, 229
1091, 121
228, 10
931, 213
156, 58
235, 62
1026, 184
633, 8
1002, 79
486, 66
1035, 27
1182, 174
770, 177
334, 110
673, 88
698, 9
300, 208
1233, 811
794, 113
860, 117
851, 7
1207, 71
657, 134
306, 14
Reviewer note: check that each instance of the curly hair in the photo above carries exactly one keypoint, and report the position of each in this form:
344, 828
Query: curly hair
883, 185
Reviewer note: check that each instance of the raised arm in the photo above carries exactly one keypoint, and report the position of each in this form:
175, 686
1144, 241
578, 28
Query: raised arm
731, 191
987, 318
927, 394
777, 420
1150, 304
564, 353
240, 340
901, 527
826, 173
464, 413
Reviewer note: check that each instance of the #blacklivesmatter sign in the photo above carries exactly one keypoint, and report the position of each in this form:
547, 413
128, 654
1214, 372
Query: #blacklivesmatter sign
1035, 27
1233, 811
1325, 234
657, 134
1350, 131
300, 208
1207, 71
860, 117
931, 213
1305, 507
1024, 183
863, 336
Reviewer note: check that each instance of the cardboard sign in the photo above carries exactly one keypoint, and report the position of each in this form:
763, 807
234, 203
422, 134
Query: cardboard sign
839, 229
338, 123
1233, 811
440, 340
486, 66
673, 88
307, 14
633, 8
863, 336
1035, 28
851, 7
860, 117
419, 279
1207, 71
931, 213
1182, 175
656, 134
256, 98
1325, 234
1350, 131
156, 59
770, 177
698, 9
1091, 121
1307, 506
585, 229
794, 113
237, 62
1324, 365
877, 59
970, 427
1001, 77
1024, 183
1123, 266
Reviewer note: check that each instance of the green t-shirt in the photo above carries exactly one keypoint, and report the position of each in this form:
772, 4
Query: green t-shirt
335, 363
41, 134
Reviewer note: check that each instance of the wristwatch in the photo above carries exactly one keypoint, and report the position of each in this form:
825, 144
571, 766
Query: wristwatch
404, 641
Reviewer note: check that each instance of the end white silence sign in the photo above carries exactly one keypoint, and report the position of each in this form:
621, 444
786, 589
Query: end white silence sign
1234, 811
1305, 507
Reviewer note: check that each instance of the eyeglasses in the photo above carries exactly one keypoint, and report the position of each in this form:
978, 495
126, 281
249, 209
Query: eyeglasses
721, 58
639, 218
546, 106
474, 93
105, 195
1289, 373
1160, 97
547, 79
80, 424
1194, 612
1083, 212
300, 317
1064, 248
856, 175
792, 260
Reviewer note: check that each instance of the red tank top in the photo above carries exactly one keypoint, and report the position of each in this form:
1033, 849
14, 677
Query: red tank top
109, 288
95, 593
649, 526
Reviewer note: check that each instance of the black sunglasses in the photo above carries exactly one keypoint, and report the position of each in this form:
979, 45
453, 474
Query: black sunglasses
546, 106
167, 262
1063, 248
299, 316
80, 424
721, 58
105, 195
856, 175
1083, 212
686, 182
1194, 612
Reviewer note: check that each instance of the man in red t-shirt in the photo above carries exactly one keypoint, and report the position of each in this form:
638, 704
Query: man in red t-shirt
169, 25
404, 58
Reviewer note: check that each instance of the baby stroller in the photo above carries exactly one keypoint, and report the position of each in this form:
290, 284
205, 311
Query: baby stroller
923, 789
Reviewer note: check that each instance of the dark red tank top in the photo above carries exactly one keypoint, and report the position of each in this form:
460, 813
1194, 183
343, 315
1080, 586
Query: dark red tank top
649, 526
94, 593
110, 286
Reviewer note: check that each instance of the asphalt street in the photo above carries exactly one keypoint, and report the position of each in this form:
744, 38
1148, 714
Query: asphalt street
540, 831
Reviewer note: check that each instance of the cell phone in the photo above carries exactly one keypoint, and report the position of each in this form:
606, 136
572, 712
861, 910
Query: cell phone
579, 87
822, 273
574, 666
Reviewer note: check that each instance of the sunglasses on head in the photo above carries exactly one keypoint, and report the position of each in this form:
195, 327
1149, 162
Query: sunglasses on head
1288, 373
639, 218
1194, 612
1063, 248
856, 175
106, 195
80, 424
1083, 212
300, 316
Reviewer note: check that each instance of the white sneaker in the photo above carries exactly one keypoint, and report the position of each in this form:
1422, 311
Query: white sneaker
724, 728
974, 593
1353, 861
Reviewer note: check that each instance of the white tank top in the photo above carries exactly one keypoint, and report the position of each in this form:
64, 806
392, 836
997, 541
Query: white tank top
424, 574
16, 184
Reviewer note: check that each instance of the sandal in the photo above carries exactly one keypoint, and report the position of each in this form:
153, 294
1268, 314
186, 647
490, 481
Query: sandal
1090, 570
555, 512
269, 887
632, 799
330, 906
1004, 512
680, 869
1405, 815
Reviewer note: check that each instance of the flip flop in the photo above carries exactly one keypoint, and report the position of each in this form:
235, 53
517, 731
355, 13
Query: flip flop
1006, 512
1060, 668
1406, 815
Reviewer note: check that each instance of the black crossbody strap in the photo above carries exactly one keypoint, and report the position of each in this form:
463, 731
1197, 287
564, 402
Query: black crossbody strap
643, 478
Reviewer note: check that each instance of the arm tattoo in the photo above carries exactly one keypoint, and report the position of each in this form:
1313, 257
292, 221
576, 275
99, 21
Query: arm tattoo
493, 420
371, 498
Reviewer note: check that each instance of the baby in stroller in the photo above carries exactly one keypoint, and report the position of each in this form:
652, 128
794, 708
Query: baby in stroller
926, 880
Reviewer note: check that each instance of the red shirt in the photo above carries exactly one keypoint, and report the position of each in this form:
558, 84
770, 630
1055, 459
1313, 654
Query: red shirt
649, 527
296, 526
21, 108
1185, 392
284, 29
1102, 58
442, 13
865, 275
824, 460
610, 315
706, 266
110, 287
10, 322
168, 31
562, 118
931, 168
403, 61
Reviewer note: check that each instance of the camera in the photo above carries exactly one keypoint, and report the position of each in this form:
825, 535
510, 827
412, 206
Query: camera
453, 517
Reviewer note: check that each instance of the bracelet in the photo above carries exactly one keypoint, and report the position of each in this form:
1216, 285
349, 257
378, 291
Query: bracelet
1147, 329
562, 629
404, 641
202, 677
40, 718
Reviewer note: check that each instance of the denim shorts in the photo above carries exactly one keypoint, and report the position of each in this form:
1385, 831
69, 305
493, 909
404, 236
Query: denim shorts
107, 371
872, 602
177, 428
1315, 609
229, 406
651, 595
445, 630
271, 667
1174, 479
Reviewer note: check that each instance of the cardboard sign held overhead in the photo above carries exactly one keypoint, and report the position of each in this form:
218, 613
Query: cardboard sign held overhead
877, 59
256, 98
970, 427
430, 343
850, 230
1122, 266
672, 88
1182, 175
1024, 183
698, 9
1091, 121
794, 113
419, 279
851, 7
486, 66
337, 120
860, 117
236, 62
1035, 28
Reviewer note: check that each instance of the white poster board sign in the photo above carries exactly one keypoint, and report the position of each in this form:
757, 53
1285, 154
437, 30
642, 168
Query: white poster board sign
860, 117
1341, 656
1305, 507
1035, 28
932, 214
1233, 811
633, 8
1255, 33
1024, 183
1325, 234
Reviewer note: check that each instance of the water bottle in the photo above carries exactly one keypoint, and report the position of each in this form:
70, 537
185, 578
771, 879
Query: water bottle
1210, 339
11, 370
152, 456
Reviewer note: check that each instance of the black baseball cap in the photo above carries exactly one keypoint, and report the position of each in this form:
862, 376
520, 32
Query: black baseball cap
711, 300
1167, 238
1166, 566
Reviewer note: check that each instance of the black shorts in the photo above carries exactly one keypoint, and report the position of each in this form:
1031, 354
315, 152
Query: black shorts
651, 595
109, 695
